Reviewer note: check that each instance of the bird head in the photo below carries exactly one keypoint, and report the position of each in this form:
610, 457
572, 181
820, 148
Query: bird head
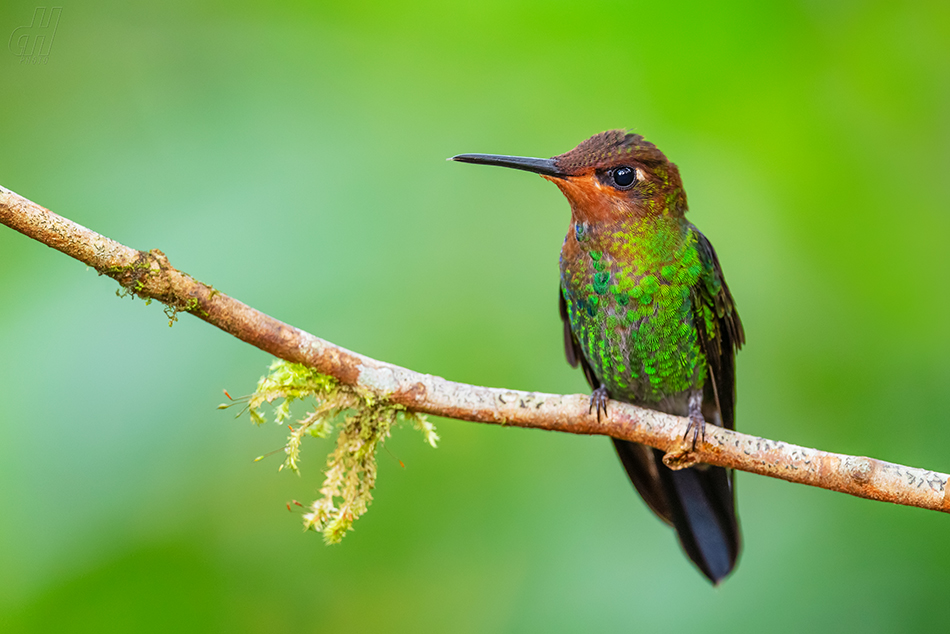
611, 176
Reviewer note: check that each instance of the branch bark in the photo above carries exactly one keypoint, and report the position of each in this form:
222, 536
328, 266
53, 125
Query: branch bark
149, 275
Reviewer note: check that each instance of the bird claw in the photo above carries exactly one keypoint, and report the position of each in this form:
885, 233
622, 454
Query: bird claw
697, 423
598, 401
683, 454
696, 427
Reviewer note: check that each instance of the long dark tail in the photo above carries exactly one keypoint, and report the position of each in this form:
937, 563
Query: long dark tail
699, 502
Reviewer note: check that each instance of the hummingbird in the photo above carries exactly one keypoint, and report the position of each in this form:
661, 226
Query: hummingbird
648, 317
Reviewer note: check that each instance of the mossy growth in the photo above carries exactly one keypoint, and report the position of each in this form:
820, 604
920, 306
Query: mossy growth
362, 421
172, 310
131, 276
132, 283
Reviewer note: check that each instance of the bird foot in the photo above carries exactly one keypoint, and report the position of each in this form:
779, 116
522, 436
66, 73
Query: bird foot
683, 454
696, 427
598, 401
697, 424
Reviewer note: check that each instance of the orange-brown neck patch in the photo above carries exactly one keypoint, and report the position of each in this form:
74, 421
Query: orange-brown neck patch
592, 201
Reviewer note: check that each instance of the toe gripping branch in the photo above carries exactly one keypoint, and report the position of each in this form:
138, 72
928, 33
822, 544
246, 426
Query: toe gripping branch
697, 423
683, 455
598, 401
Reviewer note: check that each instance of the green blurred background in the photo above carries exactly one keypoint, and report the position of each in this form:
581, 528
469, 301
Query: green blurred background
293, 157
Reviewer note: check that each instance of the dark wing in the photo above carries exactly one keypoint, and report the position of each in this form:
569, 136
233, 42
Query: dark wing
703, 504
720, 330
571, 348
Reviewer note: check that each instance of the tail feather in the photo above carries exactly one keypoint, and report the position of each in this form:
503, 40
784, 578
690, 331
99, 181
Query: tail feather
699, 502
702, 505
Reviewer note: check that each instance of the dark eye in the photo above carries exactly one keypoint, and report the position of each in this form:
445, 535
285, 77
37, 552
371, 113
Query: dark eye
624, 176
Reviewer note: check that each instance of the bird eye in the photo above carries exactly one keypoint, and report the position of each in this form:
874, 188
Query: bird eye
624, 177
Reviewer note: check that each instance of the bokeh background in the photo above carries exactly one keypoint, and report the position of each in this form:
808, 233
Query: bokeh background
293, 156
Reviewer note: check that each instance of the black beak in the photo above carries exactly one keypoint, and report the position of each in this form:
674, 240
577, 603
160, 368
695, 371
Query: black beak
547, 167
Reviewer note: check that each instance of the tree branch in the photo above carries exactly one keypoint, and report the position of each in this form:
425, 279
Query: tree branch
149, 275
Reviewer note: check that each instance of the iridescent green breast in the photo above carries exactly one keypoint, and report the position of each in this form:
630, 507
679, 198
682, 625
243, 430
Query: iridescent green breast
629, 295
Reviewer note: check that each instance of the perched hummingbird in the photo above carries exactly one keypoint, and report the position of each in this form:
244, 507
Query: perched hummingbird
649, 318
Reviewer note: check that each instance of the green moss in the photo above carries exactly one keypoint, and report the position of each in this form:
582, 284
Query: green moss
131, 277
132, 280
191, 306
363, 421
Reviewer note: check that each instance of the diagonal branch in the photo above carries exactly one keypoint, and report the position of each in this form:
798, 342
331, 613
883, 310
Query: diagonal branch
149, 275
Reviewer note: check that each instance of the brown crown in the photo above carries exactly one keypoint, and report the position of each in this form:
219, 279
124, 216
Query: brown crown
606, 149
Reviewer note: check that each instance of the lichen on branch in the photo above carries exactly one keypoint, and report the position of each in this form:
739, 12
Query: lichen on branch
362, 421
